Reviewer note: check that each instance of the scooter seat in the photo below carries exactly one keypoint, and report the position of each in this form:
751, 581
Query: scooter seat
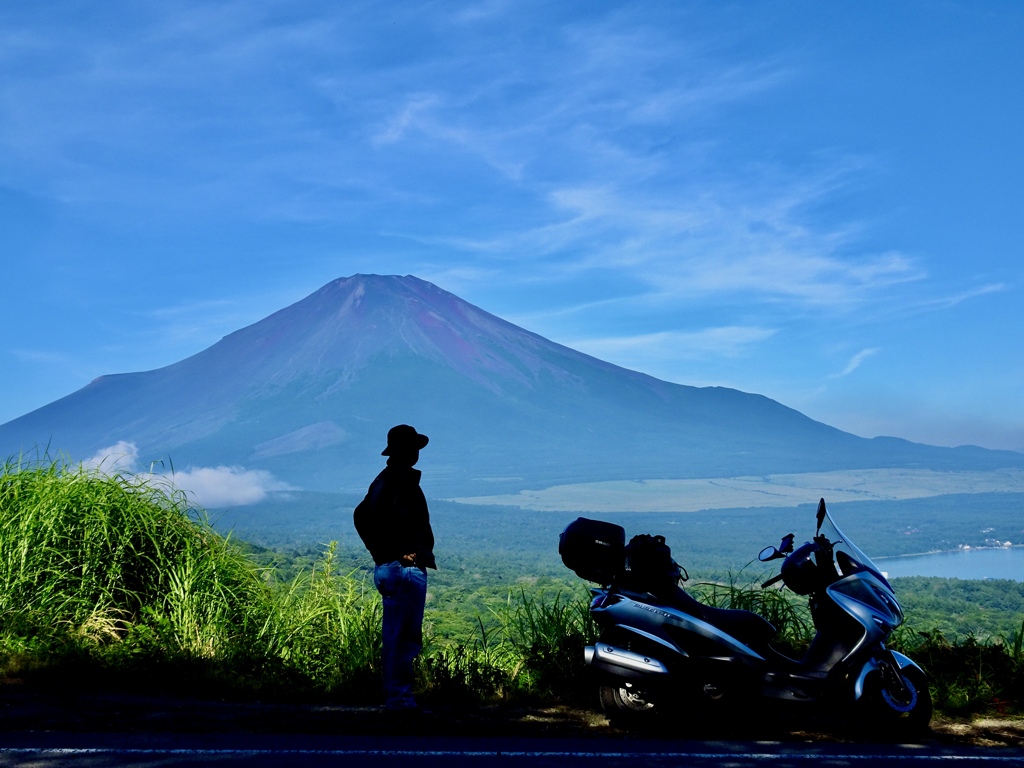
746, 626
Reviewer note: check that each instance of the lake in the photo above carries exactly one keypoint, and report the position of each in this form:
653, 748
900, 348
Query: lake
999, 563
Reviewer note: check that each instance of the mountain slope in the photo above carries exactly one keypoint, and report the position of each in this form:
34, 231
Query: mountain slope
309, 392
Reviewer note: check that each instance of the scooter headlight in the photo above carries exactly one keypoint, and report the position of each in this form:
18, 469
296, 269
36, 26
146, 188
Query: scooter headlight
799, 571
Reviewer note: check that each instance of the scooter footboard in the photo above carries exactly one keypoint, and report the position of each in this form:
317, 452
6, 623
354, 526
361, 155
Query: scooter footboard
608, 659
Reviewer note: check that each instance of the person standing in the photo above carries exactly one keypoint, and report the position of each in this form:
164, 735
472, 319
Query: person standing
394, 524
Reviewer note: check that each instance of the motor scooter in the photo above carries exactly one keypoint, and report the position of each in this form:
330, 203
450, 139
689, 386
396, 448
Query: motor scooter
659, 647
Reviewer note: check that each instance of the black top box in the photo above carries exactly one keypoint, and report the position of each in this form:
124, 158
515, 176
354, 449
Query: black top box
593, 549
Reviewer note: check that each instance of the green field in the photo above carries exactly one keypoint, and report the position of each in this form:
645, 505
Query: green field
788, 490
706, 542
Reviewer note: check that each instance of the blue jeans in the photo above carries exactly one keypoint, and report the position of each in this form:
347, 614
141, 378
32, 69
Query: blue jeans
405, 592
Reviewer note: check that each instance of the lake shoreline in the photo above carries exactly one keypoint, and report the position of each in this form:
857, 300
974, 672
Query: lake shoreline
945, 552
970, 564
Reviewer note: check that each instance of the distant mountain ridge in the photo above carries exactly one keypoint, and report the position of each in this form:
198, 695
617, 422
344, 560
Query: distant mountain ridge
309, 392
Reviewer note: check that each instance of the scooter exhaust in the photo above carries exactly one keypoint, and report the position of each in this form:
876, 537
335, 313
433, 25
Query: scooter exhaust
608, 658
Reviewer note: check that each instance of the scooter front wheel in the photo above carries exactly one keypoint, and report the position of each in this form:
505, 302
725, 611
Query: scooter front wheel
625, 701
899, 709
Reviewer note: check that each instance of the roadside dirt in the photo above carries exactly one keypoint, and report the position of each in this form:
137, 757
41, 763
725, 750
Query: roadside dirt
30, 708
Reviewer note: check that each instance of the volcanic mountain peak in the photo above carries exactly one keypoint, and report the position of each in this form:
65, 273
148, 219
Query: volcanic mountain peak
348, 323
308, 393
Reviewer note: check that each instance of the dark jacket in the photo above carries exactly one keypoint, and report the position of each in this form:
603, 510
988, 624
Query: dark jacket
393, 519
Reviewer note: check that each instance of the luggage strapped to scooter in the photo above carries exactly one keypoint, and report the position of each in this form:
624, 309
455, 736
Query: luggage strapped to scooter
593, 549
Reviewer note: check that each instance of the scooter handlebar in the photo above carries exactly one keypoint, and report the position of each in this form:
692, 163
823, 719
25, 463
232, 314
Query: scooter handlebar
771, 581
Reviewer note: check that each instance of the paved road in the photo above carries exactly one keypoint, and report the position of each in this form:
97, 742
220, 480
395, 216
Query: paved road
58, 725
41, 750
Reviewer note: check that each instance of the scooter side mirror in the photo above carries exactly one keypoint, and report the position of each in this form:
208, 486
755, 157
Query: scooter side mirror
769, 553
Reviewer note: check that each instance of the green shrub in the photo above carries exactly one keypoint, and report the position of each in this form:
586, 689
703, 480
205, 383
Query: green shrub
119, 572
968, 674
88, 557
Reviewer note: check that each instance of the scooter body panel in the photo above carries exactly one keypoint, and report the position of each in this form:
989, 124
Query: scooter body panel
680, 632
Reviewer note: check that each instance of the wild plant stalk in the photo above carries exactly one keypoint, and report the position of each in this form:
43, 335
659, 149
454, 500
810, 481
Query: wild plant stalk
788, 614
535, 651
326, 627
1015, 642
482, 669
549, 635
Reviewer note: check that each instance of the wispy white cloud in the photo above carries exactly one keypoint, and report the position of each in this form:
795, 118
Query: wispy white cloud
482, 10
197, 322
555, 122
855, 362
410, 116
209, 487
670, 345
945, 302
41, 356
711, 244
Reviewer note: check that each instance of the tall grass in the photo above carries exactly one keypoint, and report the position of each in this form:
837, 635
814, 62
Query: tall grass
91, 556
117, 574
969, 674
119, 571
325, 628
535, 651
547, 636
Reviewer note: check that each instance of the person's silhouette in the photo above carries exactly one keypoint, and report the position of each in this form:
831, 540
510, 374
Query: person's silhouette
394, 524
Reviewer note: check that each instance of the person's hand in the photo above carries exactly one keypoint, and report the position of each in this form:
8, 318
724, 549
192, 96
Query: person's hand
409, 559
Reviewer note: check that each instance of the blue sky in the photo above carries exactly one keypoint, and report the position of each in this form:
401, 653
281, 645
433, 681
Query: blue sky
816, 201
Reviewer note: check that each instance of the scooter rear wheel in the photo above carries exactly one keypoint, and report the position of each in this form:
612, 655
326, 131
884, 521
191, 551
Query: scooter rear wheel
625, 701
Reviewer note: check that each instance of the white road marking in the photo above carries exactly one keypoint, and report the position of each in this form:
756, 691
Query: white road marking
414, 753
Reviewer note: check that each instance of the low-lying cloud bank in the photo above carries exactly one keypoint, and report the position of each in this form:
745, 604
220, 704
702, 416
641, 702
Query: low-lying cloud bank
208, 487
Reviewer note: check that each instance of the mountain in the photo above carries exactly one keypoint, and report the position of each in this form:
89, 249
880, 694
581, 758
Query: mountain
309, 393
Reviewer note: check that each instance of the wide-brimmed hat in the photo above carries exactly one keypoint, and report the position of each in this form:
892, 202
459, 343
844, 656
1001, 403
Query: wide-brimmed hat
404, 438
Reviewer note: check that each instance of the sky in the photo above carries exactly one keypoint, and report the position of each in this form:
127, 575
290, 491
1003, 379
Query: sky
820, 202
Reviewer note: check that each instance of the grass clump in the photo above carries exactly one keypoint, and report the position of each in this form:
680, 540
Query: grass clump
90, 557
547, 636
533, 649
325, 630
117, 575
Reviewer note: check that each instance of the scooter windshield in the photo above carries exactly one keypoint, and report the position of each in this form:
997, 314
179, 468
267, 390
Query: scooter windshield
848, 557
